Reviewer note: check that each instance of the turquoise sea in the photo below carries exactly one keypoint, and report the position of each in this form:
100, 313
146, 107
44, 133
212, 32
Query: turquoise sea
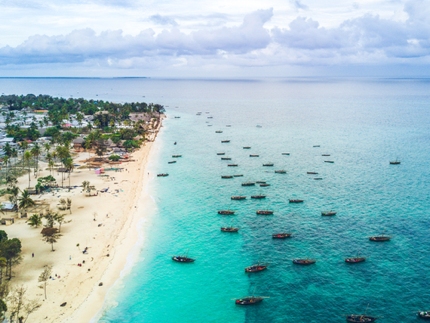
361, 123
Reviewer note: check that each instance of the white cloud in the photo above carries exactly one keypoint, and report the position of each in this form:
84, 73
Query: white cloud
208, 41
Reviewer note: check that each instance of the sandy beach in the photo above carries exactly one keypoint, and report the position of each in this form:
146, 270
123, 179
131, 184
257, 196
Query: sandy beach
106, 225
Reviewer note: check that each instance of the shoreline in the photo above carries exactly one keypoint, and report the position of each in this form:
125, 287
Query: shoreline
107, 225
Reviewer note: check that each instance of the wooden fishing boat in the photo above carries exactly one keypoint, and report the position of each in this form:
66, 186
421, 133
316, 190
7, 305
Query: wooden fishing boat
424, 315
229, 229
268, 164
247, 147
220, 154
258, 196
264, 185
255, 268
318, 178
253, 155
380, 238
280, 171
360, 318
229, 125
354, 260
281, 235
218, 131
260, 182
249, 300
183, 259
238, 175
172, 162
395, 162
248, 184
162, 175
210, 117
225, 158
305, 261
232, 165
238, 197
176, 156
264, 212
226, 212
226, 176
296, 201
328, 161
328, 213
225, 141
325, 155
315, 146
286, 154
311, 173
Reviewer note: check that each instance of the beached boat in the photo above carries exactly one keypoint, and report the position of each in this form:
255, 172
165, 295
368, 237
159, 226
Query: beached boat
226, 212
264, 185
354, 260
380, 238
280, 171
225, 158
183, 259
268, 164
172, 162
328, 161
311, 173
258, 196
220, 154
226, 176
328, 213
281, 235
247, 147
424, 315
395, 162
225, 141
249, 300
176, 156
255, 268
229, 229
238, 175
238, 197
248, 184
286, 154
162, 175
360, 318
296, 201
253, 155
305, 261
264, 212
232, 165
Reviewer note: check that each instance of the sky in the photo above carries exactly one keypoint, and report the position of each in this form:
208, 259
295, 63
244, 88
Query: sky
223, 38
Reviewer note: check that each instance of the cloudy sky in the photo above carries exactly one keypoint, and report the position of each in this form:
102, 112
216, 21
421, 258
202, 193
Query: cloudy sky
223, 38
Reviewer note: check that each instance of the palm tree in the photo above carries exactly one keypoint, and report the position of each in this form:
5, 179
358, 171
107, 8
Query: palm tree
14, 192
35, 220
25, 201
68, 164
27, 158
35, 152
47, 147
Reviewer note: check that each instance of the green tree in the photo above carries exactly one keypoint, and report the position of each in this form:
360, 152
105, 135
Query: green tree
11, 250
35, 220
50, 235
25, 201
27, 159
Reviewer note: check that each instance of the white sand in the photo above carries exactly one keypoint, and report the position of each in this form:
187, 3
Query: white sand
114, 232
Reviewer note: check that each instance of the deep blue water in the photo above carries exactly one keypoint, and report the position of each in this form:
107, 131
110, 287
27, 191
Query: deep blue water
361, 123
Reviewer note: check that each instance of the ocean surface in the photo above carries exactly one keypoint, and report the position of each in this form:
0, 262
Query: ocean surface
363, 124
